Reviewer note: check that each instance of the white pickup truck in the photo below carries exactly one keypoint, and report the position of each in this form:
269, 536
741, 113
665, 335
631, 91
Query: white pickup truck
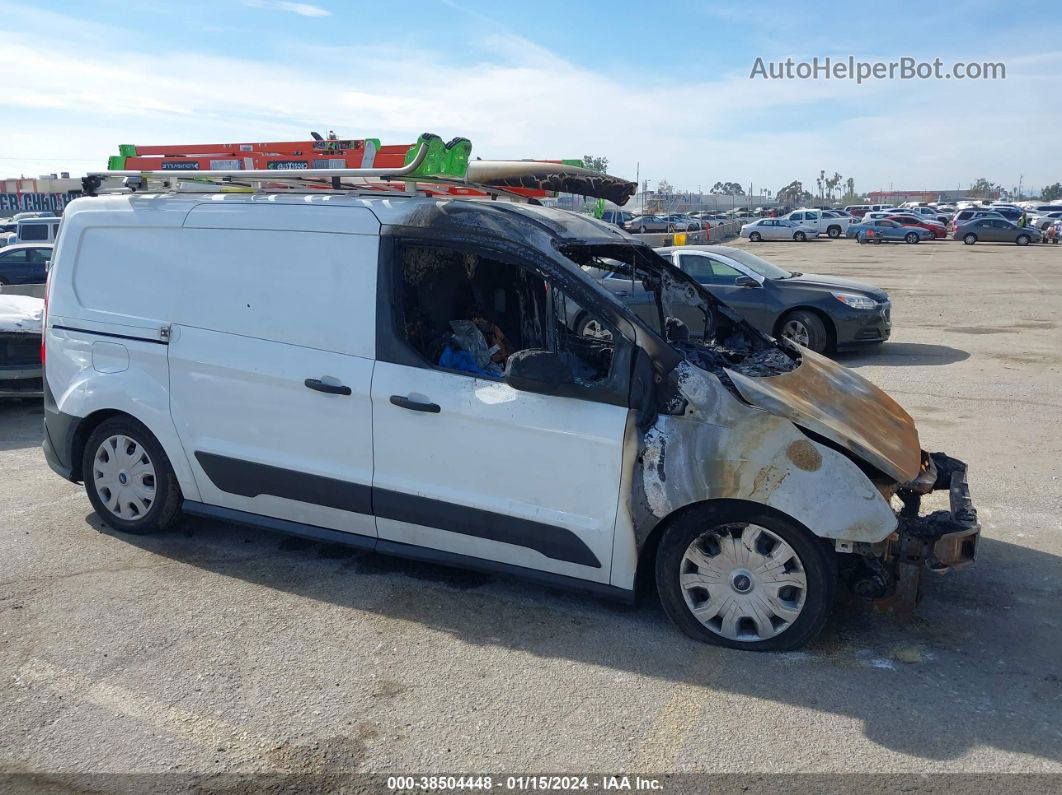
830, 224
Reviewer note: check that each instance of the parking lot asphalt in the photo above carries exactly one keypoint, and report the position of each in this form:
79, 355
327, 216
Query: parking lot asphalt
216, 648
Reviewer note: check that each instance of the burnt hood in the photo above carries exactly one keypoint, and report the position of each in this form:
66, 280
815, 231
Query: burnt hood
541, 175
842, 406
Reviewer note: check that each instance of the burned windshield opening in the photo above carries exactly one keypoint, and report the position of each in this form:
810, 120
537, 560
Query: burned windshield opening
704, 330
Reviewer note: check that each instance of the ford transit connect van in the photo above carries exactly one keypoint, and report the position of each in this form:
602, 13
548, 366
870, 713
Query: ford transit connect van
402, 374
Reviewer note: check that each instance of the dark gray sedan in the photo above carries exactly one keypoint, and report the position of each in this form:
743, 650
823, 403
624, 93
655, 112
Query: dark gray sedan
996, 230
823, 313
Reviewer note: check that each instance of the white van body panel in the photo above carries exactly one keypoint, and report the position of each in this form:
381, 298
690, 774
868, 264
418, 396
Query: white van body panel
244, 399
551, 460
83, 379
234, 294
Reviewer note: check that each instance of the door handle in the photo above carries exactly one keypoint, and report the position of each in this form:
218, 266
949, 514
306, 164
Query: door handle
332, 389
414, 405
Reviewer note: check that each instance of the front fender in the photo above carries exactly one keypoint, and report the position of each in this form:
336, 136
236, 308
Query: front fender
722, 448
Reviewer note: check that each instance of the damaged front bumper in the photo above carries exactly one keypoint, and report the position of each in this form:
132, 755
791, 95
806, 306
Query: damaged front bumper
942, 540
938, 542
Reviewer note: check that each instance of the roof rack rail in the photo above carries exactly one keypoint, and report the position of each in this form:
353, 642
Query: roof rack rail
429, 167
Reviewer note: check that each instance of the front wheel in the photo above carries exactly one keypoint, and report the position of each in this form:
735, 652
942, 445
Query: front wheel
128, 477
743, 577
801, 237
805, 328
911, 237
970, 239
755, 237
1022, 240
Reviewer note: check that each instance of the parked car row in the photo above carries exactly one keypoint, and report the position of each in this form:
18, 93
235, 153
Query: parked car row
24, 263
823, 313
29, 228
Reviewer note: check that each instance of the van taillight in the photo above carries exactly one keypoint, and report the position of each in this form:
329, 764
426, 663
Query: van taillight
44, 316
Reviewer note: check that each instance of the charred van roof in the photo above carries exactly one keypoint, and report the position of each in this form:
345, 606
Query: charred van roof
504, 218
461, 215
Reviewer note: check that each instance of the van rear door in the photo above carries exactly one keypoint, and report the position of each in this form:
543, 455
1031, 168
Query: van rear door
271, 357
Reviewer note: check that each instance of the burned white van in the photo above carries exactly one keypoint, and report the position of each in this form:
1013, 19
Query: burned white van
402, 374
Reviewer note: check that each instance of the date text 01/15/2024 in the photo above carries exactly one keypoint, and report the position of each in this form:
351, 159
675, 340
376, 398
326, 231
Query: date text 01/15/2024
523, 783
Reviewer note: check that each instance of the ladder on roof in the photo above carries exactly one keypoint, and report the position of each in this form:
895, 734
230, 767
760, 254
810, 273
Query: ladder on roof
427, 167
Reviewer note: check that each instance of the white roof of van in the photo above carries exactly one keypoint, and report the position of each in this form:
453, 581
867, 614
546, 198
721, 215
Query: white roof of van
416, 211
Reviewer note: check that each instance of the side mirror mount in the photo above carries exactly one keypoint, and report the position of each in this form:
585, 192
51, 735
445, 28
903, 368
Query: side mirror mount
541, 371
745, 281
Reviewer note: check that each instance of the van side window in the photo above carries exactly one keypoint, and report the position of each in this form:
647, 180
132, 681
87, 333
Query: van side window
466, 312
34, 232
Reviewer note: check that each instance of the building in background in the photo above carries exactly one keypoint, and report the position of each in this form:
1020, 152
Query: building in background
50, 193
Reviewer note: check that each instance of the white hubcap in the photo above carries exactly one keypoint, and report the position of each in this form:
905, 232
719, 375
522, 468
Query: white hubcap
595, 330
124, 477
743, 582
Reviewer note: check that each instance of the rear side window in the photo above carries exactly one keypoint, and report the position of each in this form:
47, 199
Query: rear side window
19, 257
34, 232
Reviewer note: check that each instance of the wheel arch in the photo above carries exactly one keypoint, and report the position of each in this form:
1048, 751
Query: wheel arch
82, 433
645, 574
827, 322
165, 437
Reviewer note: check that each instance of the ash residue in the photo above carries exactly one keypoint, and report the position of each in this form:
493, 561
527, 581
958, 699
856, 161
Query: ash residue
759, 364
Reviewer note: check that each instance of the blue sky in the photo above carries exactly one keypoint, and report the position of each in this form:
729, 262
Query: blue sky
662, 89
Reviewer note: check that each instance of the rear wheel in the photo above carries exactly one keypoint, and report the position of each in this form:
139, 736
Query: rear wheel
805, 328
128, 477
911, 237
742, 577
755, 237
800, 236
834, 231
970, 239
1022, 240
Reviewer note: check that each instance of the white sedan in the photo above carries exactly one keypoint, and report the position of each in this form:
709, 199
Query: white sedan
778, 229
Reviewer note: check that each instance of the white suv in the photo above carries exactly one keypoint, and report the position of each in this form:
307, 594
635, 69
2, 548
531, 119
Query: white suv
402, 375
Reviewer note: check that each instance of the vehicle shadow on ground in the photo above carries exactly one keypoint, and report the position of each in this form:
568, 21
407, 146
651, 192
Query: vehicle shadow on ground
977, 665
21, 423
902, 354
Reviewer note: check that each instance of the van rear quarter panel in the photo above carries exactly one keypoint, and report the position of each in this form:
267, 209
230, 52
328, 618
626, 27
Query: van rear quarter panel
127, 266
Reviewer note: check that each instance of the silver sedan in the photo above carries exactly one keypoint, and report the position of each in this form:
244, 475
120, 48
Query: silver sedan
778, 229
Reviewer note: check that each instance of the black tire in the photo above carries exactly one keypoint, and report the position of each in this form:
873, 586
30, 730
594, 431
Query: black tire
818, 337
969, 239
800, 237
815, 561
164, 506
641, 230
1022, 240
755, 237
911, 237
833, 231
